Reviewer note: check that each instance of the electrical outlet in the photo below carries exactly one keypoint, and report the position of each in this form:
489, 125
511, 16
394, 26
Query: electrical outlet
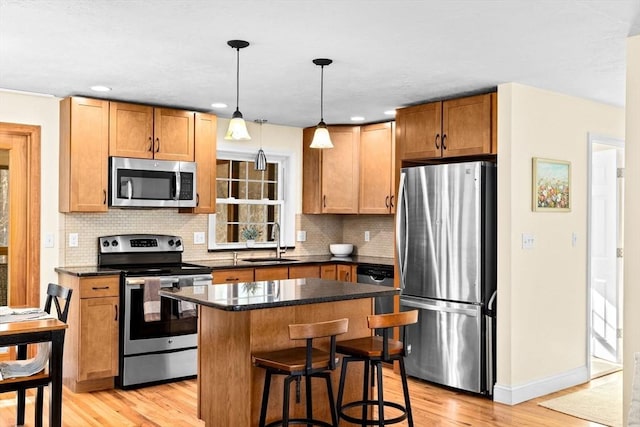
367, 236
528, 241
73, 240
302, 236
198, 238
49, 240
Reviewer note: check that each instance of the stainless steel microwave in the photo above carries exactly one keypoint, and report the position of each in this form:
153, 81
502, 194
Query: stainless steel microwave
146, 183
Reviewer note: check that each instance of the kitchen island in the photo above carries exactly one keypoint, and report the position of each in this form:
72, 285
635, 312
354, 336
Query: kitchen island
236, 320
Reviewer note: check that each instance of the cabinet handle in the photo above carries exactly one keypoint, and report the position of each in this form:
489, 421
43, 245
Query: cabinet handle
197, 200
157, 145
116, 311
392, 196
150, 144
104, 197
324, 201
386, 201
99, 288
444, 139
437, 139
346, 278
232, 279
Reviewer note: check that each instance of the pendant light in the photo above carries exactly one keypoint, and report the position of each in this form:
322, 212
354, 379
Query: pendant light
321, 138
261, 159
237, 127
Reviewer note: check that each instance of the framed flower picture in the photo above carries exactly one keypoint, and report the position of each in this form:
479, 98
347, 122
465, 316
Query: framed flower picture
551, 185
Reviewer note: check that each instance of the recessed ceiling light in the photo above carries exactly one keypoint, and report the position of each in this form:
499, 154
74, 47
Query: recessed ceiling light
390, 112
357, 119
99, 88
219, 105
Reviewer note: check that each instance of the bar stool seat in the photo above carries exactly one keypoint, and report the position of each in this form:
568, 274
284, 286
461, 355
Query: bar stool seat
298, 362
373, 351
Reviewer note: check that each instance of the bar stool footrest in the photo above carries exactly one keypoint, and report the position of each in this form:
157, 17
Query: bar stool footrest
301, 421
360, 421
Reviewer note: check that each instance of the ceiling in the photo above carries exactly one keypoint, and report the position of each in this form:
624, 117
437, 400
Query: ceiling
386, 53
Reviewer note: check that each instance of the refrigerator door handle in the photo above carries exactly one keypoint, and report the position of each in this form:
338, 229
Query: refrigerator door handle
401, 232
424, 305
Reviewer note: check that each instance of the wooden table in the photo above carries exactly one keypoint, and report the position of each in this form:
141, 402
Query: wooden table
34, 331
236, 320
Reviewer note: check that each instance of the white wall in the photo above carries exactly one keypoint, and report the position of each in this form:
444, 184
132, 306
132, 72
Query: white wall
632, 222
44, 112
542, 292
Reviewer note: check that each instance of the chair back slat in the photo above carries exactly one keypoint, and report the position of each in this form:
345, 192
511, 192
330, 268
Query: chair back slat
56, 294
303, 331
391, 320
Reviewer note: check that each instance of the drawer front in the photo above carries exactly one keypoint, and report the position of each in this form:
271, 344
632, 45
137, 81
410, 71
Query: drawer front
98, 287
233, 276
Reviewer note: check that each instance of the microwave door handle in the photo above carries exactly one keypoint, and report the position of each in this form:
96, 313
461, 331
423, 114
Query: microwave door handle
129, 189
177, 195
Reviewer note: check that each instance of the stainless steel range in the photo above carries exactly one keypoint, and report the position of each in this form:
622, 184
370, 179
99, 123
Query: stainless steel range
158, 350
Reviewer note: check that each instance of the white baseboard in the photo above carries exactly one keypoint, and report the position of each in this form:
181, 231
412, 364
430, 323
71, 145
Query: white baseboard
512, 395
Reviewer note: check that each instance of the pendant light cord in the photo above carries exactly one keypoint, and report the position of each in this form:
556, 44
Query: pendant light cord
322, 93
237, 78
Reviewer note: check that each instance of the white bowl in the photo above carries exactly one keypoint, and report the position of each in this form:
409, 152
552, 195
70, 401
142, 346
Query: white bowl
341, 249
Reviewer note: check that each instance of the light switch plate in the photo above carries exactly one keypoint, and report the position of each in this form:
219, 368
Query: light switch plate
302, 236
73, 240
198, 238
49, 240
528, 241
367, 236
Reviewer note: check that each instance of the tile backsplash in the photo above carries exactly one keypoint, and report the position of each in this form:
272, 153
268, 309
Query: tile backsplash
321, 231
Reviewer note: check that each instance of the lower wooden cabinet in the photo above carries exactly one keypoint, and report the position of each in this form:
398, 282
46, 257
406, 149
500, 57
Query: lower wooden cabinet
91, 342
302, 271
232, 275
271, 273
346, 272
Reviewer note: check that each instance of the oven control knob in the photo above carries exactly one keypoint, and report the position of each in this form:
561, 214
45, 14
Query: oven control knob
170, 242
178, 243
105, 243
114, 243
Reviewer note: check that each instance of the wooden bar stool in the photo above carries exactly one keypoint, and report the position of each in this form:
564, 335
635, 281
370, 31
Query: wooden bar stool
298, 362
373, 351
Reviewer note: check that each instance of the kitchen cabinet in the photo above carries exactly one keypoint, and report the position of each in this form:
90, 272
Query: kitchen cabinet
232, 275
377, 169
346, 272
147, 132
328, 271
453, 128
271, 273
205, 157
302, 271
91, 344
330, 176
84, 151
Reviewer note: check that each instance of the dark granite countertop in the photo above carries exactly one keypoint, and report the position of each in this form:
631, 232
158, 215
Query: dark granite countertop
276, 293
218, 264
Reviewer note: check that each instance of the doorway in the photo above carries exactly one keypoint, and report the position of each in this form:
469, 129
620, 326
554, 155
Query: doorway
606, 229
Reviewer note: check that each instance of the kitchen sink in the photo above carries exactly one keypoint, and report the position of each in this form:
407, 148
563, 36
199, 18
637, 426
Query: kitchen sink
268, 259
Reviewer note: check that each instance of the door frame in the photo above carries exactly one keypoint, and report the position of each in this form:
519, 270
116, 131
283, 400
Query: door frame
31, 135
614, 142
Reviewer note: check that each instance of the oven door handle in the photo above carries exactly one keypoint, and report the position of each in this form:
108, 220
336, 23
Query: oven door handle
138, 282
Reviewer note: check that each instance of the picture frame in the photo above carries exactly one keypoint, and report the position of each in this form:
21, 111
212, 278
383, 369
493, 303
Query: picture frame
551, 185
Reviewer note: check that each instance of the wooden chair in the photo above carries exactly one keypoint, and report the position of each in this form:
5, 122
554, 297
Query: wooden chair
59, 297
373, 351
298, 362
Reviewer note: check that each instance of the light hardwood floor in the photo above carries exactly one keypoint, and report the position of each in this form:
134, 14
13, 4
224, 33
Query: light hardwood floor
175, 405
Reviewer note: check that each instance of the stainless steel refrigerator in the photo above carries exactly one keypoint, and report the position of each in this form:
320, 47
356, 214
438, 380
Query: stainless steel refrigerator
446, 242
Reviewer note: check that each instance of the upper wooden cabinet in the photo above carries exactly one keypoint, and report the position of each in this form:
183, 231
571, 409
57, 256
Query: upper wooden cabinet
146, 132
377, 159
205, 156
330, 176
453, 128
84, 154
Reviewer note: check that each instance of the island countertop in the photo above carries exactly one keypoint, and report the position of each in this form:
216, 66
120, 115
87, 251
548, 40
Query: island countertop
276, 293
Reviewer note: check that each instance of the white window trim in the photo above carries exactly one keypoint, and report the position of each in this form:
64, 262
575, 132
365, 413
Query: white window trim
286, 191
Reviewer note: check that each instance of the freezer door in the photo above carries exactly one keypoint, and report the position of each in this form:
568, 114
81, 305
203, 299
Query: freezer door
439, 229
446, 345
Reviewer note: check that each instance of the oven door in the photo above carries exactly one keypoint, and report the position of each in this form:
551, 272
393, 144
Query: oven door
174, 331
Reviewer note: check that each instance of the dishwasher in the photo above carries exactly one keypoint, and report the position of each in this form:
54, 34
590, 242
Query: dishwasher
378, 275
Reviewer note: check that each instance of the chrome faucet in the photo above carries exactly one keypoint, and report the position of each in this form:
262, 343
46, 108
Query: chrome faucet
276, 236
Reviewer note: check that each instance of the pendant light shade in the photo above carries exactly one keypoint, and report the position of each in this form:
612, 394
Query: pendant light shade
261, 159
237, 127
321, 137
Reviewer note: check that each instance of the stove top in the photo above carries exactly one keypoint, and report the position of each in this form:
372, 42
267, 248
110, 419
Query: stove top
163, 270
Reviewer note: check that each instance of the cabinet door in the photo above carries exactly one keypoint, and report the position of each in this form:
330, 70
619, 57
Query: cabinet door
84, 145
98, 346
304, 271
271, 273
130, 130
466, 126
376, 169
340, 175
311, 175
328, 271
173, 133
418, 131
346, 273
205, 157
232, 275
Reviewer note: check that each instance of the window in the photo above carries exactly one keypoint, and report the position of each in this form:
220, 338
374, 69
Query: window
248, 199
